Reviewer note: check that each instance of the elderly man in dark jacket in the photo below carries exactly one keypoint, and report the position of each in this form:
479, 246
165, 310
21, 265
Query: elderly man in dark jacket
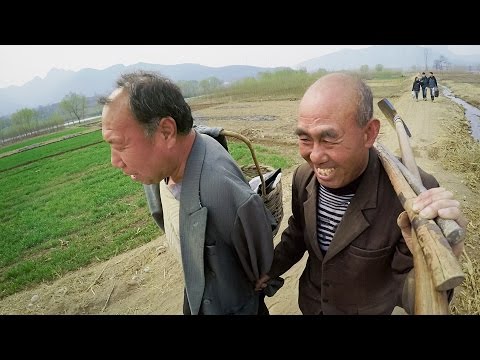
344, 209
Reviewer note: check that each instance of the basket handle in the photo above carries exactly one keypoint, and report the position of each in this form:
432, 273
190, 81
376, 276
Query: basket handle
249, 144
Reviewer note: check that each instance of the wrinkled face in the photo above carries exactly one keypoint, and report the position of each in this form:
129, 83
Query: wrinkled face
131, 151
330, 139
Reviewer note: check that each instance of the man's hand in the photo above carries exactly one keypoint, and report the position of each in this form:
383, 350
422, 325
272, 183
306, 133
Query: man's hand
262, 282
430, 204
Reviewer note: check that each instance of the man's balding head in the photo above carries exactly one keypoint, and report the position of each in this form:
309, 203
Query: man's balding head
343, 91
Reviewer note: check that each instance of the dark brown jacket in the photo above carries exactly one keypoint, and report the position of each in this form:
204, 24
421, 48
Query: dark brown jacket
365, 266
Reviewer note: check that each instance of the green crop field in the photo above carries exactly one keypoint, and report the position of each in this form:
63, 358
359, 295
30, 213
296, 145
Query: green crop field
63, 206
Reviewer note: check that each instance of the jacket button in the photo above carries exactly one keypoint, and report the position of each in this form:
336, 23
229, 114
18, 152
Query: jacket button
325, 300
206, 302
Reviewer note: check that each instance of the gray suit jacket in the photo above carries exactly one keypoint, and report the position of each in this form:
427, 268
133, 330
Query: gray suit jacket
225, 232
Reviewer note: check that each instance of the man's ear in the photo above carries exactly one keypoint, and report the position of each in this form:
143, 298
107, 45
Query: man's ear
167, 128
371, 132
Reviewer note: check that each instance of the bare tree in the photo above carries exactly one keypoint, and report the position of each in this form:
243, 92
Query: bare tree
210, 84
442, 63
25, 121
74, 105
364, 68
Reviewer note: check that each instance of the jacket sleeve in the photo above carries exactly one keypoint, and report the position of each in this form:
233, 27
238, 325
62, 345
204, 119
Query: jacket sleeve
252, 237
402, 265
291, 247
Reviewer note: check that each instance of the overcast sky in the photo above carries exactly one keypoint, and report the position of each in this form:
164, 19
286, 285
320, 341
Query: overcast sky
21, 63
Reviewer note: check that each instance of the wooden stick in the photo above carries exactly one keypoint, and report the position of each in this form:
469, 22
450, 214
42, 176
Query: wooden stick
450, 228
108, 298
252, 151
428, 301
98, 277
406, 149
446, 271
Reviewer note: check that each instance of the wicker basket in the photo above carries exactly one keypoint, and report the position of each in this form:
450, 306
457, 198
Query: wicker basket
272, 200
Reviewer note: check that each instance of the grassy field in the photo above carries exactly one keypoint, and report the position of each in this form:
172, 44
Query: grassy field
27, 157
38, 139
465, 86
63, 206
61, 212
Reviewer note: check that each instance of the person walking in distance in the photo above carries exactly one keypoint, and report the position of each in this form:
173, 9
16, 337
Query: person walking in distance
345, 210
424, 84
416, 87
432, 85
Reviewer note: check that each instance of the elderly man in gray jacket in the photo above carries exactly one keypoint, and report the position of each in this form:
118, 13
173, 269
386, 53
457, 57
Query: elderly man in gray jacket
223, 231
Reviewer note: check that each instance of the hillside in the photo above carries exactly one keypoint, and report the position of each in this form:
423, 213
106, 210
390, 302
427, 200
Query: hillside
404, 57
92, 82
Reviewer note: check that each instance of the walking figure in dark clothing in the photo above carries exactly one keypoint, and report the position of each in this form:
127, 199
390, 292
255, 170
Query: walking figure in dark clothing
424, 84
416, 86
432, 84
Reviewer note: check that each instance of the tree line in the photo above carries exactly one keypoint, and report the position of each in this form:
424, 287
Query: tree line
27, 122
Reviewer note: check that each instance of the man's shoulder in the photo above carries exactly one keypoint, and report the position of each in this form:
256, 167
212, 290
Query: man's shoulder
303, 173
303, 169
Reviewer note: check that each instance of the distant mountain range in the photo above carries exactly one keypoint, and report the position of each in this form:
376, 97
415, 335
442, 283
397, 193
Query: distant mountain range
91, 82
404, 57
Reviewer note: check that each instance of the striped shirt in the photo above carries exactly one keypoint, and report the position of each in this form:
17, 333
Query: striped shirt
330, 210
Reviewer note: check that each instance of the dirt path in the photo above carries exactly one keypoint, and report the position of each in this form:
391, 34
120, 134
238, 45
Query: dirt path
149, 280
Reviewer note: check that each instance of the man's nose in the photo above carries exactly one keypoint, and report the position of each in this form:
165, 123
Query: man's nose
116, 160
318, 154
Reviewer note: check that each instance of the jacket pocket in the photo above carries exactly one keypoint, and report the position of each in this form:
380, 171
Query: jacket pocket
370, 254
